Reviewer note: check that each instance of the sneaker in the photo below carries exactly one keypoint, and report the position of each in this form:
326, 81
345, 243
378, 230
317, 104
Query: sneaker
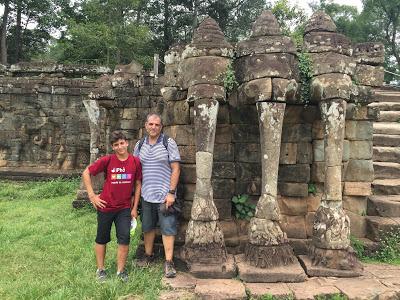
169, 269
123, 276
145, 261
101, 275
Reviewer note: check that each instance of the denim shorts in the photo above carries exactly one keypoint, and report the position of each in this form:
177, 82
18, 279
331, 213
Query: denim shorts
122, 221
151, 215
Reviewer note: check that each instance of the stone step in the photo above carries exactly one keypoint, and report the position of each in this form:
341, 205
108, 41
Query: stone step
388, 116
388, 154
386, 186
379, 226
386, 140
384, 206
386, 170
387, 128
389, 95
386, 106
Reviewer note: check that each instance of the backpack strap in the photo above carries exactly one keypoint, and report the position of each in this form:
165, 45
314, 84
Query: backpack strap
107, 164
165, 142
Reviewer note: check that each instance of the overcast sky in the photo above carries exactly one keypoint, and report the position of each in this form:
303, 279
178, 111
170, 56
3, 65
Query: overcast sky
304, 4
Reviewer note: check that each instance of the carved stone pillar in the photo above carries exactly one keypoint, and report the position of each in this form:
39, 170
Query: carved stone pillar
267, 63
331, 87
204, 64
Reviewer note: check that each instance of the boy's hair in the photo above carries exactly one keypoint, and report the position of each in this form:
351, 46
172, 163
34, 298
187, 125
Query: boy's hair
117, 135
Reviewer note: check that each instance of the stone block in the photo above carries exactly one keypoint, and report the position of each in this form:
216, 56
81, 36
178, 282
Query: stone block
224, 170
360, 149
318, 172
355, 204
317, 130
356, 112
224, 152
278, 290
248, 152
284, 90
220, 289
244, 114
256, 90
181, 112
358, 224
295, 114
188, 173
304, 153
288, 155
265, 44
223, 115
292, 206
330, 62
296, 133
330, 86
358, 130
318, 150
223, 134
293, 189
369, 75
244, 133
357, 188
309, 223
244, 171
294, 226
129, 113
359, 170
346, 150
319, 271
223, 188
319, 41
256, 66
294, 173
206, 91
313, 202
182, 134
251, 186
188, 154
188, 190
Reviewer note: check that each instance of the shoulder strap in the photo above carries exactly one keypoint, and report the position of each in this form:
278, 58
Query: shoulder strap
165, 142
107, 164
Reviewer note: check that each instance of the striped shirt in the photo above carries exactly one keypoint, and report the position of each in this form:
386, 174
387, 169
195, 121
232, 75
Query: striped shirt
156, 168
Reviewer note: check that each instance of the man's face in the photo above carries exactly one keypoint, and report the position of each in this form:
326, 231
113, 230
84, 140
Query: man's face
153, 126
120, 147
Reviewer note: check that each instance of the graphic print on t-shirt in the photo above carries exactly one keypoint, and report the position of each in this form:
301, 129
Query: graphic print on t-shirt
119, 176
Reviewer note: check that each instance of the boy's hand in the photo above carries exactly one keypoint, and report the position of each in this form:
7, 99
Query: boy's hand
96, 201
134, 213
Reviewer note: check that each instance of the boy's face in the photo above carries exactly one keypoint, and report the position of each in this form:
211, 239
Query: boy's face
120, 147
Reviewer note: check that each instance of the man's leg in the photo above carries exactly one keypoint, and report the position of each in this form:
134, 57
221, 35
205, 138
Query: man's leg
100, 251
168, 242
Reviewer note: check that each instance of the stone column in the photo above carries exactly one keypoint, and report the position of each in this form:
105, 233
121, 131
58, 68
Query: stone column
331, 87
266, 69
204, 64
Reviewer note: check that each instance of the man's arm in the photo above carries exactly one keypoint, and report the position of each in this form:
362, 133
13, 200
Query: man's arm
94, 199
176, 170
136, 198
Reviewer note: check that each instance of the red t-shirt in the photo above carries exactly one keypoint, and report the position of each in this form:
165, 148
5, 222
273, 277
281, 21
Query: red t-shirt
119, 183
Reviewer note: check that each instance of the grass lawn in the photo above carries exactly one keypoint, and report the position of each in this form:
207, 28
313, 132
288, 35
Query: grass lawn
46, 247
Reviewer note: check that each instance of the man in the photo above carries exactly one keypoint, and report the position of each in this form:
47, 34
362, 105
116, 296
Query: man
160, 162
123, 176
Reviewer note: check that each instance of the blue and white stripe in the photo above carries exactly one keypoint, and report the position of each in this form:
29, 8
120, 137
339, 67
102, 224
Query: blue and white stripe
156, 168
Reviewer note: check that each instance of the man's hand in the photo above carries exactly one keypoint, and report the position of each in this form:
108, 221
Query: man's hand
96, 201
134, 213
169, 200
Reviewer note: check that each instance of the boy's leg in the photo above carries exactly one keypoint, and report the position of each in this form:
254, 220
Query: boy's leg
104, 222
100, 251
122, 226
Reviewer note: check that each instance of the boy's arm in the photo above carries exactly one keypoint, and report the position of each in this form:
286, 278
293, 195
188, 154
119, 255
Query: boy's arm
136, 198
94, 199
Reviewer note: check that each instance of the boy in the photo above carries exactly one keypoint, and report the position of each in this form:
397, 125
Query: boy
123, 175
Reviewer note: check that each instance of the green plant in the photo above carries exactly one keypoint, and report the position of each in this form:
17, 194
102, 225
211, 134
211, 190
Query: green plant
312, 189
358, 246
306, 71
243, 208
389, 249
230, 82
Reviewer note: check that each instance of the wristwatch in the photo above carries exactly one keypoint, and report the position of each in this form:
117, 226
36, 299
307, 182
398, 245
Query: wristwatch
171, 192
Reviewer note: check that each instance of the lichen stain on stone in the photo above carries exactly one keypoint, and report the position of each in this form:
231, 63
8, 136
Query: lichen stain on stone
209, 113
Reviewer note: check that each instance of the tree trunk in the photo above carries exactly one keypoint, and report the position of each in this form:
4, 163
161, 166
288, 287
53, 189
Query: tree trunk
3, 41
167, 31
18, 38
